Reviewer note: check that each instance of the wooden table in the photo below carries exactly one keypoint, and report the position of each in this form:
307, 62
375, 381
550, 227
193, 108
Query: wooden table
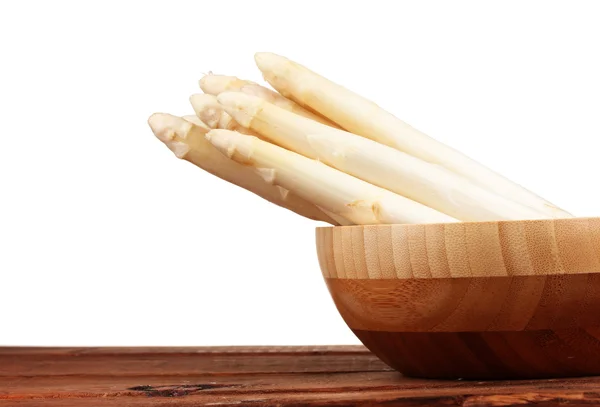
265, 376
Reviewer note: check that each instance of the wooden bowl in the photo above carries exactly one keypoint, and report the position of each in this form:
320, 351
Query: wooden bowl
480, 300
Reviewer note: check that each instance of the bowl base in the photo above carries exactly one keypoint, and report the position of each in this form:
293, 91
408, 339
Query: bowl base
488, 355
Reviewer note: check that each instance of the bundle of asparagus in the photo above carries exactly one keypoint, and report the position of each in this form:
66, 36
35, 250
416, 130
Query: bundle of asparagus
326, 153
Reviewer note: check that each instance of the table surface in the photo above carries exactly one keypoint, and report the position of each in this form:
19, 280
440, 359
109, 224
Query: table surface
251, 376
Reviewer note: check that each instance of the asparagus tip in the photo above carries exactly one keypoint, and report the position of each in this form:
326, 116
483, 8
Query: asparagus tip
263, 59
241, 106
222, 140
162, 125
215, 84
202, 82
206, 108
274, 69
232, 144
168, 128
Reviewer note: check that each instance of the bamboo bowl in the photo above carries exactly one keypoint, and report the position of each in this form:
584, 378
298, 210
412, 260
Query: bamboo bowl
480, 300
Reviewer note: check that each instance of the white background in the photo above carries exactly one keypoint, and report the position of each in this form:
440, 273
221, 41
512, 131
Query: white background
107, 239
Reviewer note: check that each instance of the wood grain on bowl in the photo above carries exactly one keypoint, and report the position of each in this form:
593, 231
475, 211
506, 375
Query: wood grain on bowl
512, 299
470, 249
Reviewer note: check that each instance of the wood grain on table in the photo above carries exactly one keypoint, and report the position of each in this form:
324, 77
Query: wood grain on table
251, 376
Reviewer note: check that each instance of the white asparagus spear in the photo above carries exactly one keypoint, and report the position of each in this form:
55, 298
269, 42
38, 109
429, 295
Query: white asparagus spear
337, 192
363, 117
209, 111
375, 163
215, 84
188, 142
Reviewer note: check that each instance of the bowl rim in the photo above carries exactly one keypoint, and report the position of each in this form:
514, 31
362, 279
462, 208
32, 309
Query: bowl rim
535, 247
487, 222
